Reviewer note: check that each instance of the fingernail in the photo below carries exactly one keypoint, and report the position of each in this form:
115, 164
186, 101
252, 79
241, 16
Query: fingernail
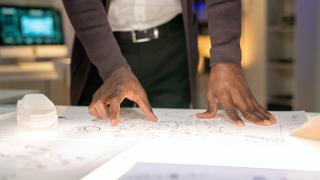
273, 119
204, 115
267, 122
199, 115
114, 122
155, 117
240, 124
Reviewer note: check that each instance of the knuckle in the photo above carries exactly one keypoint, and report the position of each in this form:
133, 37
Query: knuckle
248, 115
120, 88
209, 96
233, 116
113, 103
95, 97
224, 96
99, 101
115, 97
232, 113
256, 118
139, 91
139, 94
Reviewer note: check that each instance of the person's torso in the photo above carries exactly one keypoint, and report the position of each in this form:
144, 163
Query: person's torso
129, 15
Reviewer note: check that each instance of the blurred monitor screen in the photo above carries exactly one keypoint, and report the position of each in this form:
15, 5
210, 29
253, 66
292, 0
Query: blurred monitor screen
29, 26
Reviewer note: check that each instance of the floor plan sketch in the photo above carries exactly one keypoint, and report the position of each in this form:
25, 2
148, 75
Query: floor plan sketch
81, 143
173, 124
182, 124
46, 158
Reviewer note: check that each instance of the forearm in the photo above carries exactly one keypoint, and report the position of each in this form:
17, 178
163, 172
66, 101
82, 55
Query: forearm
225, 31
89, 20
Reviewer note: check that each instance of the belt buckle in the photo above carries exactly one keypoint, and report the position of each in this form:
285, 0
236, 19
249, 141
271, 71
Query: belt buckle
146, 39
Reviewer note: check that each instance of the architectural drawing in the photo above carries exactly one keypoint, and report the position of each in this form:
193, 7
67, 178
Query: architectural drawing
172, 123
183, 125
82, 143
54, 159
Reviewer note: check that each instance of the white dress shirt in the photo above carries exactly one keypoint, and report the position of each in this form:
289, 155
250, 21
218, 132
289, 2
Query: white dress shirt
129, 15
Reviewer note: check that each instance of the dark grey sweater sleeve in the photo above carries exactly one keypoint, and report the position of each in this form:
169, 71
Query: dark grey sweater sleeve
89, 19
225, 30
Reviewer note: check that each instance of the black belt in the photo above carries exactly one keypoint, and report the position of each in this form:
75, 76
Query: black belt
152, 33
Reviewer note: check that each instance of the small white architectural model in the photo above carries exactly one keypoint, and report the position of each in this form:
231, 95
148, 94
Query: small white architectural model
36, 112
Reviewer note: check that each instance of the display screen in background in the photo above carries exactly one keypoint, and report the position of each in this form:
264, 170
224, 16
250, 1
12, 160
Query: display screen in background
37, 26
29, 26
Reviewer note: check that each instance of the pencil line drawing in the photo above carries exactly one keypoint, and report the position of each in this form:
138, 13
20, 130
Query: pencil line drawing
46, 159
182, 124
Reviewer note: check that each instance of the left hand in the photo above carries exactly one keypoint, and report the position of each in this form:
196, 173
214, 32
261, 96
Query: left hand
227, 85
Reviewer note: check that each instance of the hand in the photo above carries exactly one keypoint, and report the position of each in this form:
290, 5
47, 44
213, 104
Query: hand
227, 85
120, 85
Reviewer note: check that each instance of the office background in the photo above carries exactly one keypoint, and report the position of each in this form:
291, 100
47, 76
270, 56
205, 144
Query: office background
280, 43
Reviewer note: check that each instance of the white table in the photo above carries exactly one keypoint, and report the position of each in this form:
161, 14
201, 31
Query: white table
77, 151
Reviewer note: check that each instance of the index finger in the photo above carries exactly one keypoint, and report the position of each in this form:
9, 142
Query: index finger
114, 111
145, 107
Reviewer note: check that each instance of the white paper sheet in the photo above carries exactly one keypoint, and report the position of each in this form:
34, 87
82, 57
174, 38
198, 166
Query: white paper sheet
157, 171
172, 124
80, 142
182, 125
54, 159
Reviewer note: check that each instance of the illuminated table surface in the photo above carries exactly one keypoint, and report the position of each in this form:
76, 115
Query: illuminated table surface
86, 148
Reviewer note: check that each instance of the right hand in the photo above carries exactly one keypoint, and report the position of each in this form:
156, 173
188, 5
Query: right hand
227, 85
121, 84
